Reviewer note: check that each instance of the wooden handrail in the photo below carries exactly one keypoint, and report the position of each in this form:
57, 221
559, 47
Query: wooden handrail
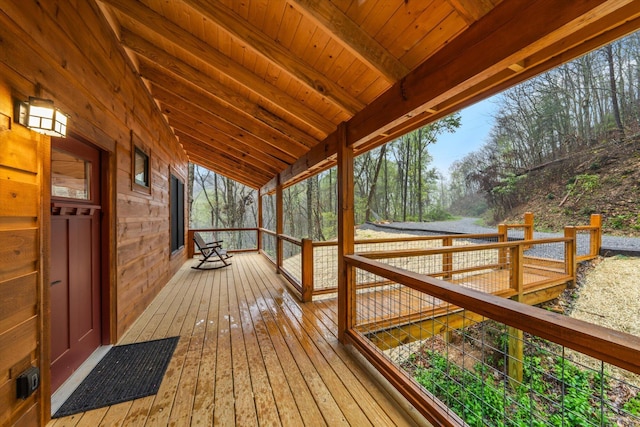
480, 236
290, 239
618, 348
401, 253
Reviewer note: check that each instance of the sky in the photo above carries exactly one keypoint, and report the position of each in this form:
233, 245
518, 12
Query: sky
476, 124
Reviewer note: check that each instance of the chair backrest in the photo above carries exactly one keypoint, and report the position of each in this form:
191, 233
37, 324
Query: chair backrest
197, 238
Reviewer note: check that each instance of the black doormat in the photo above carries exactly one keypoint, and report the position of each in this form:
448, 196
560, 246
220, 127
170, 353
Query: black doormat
126, 372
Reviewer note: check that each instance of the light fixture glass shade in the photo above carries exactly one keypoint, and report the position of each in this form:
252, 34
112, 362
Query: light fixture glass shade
41, 116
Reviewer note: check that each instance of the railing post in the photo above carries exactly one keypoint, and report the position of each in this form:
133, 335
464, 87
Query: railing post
346, 222
528, 226
596, 234
190, 249
516, 336
502, 252
279, 226
260, 222
307, 270
570, 251
447, 259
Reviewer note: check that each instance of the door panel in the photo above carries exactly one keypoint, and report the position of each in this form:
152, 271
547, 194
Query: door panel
76, 329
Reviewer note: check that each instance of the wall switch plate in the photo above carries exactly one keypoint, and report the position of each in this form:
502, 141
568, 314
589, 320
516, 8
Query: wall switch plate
28, 382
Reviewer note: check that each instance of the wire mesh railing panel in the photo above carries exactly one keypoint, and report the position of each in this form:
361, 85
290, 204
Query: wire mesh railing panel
233, 239
583, 243
488, 373
551, 251
269, 243
325, 267
292, 259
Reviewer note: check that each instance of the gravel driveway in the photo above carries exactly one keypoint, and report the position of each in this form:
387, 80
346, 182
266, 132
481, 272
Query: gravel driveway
611, 245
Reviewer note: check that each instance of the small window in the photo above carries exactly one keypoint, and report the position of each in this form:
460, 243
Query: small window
177, 213
140, 168
70, 176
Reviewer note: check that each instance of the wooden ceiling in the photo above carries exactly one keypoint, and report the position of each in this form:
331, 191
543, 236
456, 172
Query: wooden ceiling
254, 89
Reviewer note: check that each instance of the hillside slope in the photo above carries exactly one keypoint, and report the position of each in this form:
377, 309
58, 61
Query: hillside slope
604, 179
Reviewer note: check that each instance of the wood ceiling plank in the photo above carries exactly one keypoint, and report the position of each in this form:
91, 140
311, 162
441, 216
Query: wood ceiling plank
185, 131
352, 37
198, 48
269, 141
237, 105
239, 112
276, 53
235, 147
193, 145
232, 70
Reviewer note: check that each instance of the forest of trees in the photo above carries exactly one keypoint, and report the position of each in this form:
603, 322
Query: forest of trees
558, 115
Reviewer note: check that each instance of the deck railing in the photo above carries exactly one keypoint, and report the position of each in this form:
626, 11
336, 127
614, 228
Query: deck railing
488, 360
311, 267
234, 239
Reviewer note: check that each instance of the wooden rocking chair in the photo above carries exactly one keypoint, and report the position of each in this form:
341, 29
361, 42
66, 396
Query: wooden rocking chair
211, 252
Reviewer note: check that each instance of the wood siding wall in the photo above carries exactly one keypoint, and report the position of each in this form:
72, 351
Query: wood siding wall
65, 51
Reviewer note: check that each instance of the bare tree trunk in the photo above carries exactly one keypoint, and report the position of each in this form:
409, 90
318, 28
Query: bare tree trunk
374, 183
608, 50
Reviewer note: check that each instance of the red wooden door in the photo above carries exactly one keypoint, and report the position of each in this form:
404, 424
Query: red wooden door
75, 256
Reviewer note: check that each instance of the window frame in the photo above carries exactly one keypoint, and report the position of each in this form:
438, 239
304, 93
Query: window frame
146, 153
176, 213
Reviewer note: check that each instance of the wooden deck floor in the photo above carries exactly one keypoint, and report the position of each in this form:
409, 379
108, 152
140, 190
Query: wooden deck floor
249, 354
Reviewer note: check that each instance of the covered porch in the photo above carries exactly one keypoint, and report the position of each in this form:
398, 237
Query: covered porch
249, 354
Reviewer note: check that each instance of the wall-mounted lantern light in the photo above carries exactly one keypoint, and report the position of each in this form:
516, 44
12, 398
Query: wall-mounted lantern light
41, 116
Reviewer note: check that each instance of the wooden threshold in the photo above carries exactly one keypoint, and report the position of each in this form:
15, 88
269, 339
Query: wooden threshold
249, 354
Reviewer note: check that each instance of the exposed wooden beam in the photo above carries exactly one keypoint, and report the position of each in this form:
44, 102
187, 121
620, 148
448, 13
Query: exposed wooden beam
280, 99
185, 125
448, 79
472, 10
206, 162
352, 37
198, 48
231, 107
276, 53
479, 53
175, 107
232, 167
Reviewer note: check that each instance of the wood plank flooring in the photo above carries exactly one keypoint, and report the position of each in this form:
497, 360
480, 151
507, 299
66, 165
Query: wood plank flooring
249, 354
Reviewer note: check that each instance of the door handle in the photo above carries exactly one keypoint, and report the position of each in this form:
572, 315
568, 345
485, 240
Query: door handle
55, 282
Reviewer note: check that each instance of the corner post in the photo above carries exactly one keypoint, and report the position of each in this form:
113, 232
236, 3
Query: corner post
516, 336
570, 251
596, 234
307, 270
259, 234
279, 225
502, 252
346, 222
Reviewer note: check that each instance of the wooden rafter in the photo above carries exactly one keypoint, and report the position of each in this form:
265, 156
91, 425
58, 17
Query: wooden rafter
237, 110
277, 54
472, 10
282, 100
174, 106
191, 126
352, 37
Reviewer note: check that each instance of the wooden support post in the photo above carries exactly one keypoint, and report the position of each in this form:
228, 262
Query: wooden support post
516, 336
447, 259
528, 226
190, 246
346, 222
570, 252
596, 234
307, 270
260, 223
279, 225
502, 252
